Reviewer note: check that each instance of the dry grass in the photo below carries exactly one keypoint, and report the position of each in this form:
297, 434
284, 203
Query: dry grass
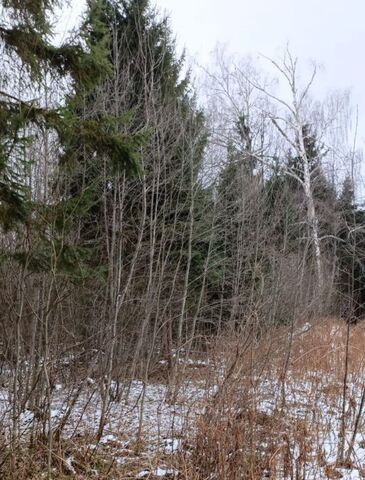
267, 409
278, 415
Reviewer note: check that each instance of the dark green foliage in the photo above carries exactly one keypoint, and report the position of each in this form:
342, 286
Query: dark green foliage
351, 253
98, 137
61, 259
314, 154
141, 45
85, 61
284, 212
31, 12
25, 34
14, 117
13, 207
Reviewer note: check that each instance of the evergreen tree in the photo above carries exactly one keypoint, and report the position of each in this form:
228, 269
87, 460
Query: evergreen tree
154, 100
351, 253
241, 238
26, 35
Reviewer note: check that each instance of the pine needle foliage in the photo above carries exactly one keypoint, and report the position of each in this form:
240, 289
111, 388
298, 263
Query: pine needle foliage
83, 62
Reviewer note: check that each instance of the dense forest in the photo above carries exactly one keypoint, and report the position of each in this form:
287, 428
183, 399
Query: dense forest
145, 227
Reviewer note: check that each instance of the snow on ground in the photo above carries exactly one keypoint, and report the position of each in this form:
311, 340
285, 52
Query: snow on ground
310, 418
308, 403
165, 424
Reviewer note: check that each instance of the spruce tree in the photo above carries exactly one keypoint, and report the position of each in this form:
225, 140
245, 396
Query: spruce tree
81, 64
351, 253
26, 37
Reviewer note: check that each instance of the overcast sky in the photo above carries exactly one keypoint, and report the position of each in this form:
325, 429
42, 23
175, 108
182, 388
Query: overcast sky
331, 32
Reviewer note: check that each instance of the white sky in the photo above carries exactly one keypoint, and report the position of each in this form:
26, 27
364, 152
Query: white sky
331, 32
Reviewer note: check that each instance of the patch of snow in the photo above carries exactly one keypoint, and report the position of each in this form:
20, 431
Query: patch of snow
305, 328
165, 472
143, 474
69, 465
109, 438
171, 445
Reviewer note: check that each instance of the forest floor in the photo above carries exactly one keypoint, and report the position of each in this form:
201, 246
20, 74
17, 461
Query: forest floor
274, 409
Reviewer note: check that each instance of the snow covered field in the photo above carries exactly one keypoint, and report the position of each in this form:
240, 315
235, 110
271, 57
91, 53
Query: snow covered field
279, 422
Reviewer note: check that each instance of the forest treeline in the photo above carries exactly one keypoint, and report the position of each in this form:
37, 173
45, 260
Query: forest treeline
139, 219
